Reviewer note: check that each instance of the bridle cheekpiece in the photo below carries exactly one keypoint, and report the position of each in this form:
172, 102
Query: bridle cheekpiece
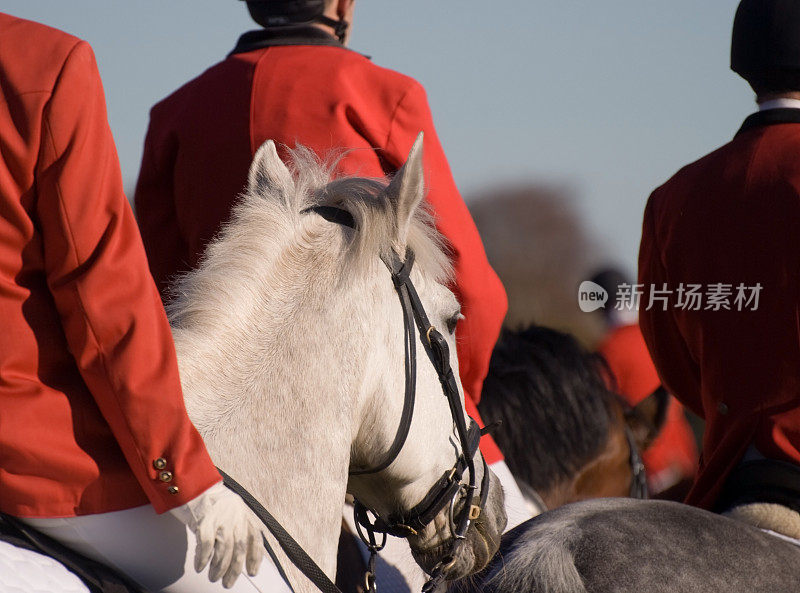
444, 494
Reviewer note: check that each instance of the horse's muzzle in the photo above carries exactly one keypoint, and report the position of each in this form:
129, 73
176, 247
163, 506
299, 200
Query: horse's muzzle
482, 540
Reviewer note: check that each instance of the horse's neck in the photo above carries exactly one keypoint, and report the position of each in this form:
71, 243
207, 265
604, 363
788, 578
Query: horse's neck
275, 408
293, 457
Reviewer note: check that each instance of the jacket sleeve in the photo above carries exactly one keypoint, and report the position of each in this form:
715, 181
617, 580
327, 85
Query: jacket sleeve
155, 210
477, 287
677, 369
110, 311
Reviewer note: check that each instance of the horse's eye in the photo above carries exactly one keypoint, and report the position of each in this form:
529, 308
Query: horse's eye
452, 322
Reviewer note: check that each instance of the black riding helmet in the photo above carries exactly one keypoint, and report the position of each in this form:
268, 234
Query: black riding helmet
286, 13
765, 49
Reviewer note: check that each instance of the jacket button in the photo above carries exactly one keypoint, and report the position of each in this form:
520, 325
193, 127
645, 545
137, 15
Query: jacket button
722, 408
173, 489
160, 463
165, 476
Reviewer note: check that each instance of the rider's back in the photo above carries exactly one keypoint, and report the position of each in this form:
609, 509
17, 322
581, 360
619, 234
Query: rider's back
316, 93
323, 97
731, 219
84, 355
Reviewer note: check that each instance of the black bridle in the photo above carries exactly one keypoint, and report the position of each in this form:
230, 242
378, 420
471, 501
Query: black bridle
638, 473
445, 492
448, 487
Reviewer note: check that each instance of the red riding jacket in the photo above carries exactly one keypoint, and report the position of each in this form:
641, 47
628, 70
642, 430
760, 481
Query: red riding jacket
304, 89
731, 219
673, 455
89, 389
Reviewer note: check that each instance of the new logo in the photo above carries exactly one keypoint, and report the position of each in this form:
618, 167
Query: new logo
591, 296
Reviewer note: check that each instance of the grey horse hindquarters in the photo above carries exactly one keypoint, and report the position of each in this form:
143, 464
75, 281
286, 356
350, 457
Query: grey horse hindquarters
627, 546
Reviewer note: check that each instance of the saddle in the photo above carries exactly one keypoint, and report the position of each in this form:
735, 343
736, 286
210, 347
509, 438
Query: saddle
97, 577
766, 494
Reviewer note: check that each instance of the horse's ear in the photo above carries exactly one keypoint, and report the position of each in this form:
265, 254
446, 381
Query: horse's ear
647, 418
267, 171
407, 189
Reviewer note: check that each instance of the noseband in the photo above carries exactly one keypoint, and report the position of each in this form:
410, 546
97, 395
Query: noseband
447, 489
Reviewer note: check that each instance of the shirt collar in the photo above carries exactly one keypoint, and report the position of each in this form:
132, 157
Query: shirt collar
779, 104
291, 35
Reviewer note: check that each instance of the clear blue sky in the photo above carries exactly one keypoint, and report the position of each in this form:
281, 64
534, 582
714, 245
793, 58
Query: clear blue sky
608, 98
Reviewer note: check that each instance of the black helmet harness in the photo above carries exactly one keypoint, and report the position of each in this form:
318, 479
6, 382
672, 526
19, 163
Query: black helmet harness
287, 13
765, 47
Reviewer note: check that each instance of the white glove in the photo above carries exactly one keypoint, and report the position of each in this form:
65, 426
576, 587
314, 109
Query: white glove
225, 528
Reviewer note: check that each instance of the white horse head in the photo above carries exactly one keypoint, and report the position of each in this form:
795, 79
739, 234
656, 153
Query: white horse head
290, 339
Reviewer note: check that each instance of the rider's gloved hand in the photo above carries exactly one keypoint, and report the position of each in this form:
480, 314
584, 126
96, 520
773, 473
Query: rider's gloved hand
226, 533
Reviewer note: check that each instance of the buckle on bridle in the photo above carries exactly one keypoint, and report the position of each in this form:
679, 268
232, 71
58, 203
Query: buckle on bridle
369, 581
452, 473
428, 334
407, 530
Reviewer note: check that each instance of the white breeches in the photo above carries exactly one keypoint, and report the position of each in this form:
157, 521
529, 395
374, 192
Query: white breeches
156, 551
517, 508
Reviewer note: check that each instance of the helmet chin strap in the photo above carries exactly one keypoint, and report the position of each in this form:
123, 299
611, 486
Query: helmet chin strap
340, 26
285, 13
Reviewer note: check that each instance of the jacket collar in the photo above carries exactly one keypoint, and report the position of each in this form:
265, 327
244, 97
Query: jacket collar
292, 35
770, 117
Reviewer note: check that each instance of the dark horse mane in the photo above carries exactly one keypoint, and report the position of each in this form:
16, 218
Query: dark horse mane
552, 398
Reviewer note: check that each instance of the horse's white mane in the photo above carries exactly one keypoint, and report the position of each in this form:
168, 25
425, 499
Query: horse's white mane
267, 214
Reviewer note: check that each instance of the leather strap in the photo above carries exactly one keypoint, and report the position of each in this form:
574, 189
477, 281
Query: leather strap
437, 498
294, 551
402, 270
409, 398
339, 26
638, 472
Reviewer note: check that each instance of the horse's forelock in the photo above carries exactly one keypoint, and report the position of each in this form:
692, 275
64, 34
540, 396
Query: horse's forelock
373, 213
262, 220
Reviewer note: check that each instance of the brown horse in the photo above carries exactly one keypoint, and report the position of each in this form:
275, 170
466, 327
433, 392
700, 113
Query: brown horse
565, 435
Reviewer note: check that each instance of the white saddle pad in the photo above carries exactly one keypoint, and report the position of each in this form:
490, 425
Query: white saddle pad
24, 571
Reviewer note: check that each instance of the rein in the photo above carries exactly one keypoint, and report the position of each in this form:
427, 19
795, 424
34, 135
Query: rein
444, 492
639, 474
